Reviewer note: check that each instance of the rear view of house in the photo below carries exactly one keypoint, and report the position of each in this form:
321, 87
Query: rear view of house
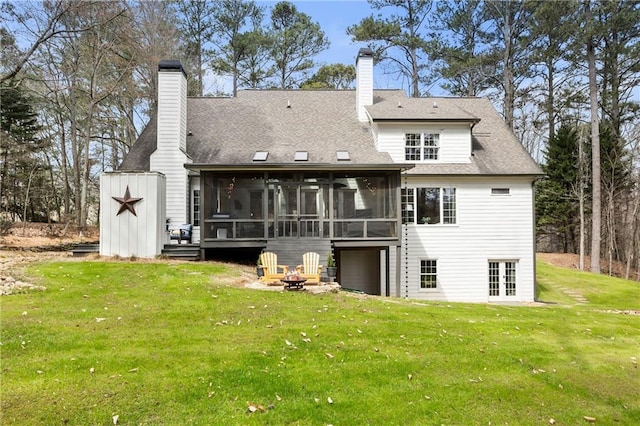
416, 197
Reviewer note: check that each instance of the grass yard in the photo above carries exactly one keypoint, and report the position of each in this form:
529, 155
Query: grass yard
174, 344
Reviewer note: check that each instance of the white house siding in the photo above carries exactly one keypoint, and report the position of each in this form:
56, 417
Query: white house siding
126, 234
172, 110
171, 164
364, 85
455, 140
169, 157
489, 227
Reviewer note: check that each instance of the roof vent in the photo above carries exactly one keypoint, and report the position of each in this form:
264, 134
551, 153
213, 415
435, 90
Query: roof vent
301, 156
399, 104
435, 104
343, 156
288, 104
260, 156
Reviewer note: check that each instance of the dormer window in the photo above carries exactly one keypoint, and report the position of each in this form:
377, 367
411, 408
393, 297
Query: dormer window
421, 146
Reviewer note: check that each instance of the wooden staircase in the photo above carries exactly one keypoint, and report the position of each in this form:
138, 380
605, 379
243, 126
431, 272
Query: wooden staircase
182, 251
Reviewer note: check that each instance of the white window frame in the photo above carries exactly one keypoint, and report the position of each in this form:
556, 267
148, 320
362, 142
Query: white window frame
503, 278
422, 147
503, 191
423, 271
196, 206
408, 202
448, 208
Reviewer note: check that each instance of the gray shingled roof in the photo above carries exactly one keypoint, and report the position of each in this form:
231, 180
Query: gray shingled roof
394, 105
228, 131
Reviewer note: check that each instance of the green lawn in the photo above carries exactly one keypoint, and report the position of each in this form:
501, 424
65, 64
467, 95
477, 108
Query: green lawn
172, 344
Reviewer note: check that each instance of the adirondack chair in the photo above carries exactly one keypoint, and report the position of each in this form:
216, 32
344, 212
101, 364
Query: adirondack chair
310, 268
272, 271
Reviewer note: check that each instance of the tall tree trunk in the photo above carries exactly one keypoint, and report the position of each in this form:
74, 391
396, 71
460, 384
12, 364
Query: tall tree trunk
595, 156
86, 172
54, 191
551, 115
632, 239
415, 75
581, 196
509, 95
76, 154
64, 169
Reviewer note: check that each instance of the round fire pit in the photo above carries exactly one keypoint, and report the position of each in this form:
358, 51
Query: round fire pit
293, 283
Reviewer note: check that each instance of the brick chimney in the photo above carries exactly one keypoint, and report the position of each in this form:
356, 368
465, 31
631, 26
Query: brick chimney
364, 82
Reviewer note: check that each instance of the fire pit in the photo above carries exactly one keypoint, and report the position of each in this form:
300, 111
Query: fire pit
293, 282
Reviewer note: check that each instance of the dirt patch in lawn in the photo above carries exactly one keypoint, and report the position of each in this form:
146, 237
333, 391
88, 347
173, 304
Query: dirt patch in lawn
46, 237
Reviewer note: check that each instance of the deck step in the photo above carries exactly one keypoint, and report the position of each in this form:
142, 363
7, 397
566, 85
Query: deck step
182, 251
79, 250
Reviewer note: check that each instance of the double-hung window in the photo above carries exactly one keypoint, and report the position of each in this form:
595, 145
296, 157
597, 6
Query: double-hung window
421, 146
428, 273
430, 206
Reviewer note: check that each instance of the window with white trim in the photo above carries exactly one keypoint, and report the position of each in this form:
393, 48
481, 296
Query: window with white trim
196, 207
408, 204
500, 191
421, 146
429, 206
428, 274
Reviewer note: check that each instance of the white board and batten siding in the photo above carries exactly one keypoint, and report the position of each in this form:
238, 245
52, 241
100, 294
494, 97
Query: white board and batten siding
170, 155
489, 228
126, 235
455, 140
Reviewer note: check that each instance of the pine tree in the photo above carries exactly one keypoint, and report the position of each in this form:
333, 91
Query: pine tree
19, 146
556, 204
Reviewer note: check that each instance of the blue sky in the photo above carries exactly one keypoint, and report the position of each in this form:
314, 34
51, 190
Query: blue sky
334, 16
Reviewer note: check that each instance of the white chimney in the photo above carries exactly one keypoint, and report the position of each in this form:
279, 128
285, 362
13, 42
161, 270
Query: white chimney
171, 151
364, 82
172, 105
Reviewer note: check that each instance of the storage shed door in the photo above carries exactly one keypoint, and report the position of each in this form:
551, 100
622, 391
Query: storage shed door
360, 270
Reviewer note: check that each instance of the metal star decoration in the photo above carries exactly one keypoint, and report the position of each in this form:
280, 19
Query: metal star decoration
127, 202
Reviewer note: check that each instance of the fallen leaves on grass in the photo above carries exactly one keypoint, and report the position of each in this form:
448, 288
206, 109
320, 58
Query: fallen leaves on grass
253, 408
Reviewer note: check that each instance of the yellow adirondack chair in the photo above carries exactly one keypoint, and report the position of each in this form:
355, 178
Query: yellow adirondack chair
272, 271
310, 268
